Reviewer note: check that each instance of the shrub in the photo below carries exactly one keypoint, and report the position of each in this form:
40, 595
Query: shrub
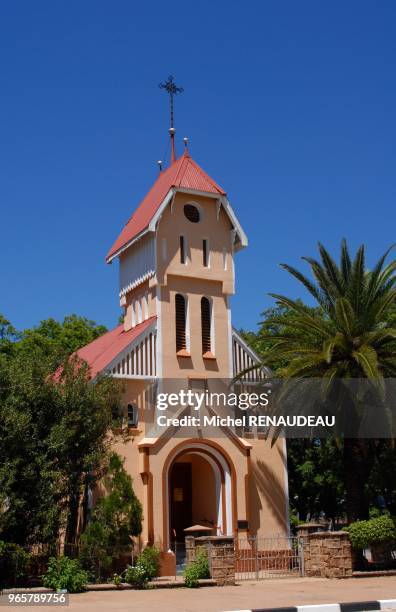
191, 576
136, 576
116, 517
149, 560
294, 521
65, 573
95, 554
197, 570
14, 562
117, 580
374, 531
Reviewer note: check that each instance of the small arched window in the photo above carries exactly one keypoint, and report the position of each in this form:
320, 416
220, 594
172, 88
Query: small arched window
206, 326
181, 313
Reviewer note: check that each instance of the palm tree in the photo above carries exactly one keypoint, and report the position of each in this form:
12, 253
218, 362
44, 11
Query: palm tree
347, 335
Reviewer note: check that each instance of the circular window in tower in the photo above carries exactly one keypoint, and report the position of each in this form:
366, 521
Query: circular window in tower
192, 213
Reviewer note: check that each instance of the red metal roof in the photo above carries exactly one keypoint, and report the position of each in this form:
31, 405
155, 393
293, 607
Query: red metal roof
100, 352
184, 173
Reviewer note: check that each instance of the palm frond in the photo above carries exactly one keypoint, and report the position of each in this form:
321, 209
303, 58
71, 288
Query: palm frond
345, 315
332, 270
305, 318
345, 261
367, 359
313, 290
376, 276
356, 286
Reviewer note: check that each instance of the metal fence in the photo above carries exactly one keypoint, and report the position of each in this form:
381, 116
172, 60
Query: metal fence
258, 558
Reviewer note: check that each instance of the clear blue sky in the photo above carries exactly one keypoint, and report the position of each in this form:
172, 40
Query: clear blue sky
289, 105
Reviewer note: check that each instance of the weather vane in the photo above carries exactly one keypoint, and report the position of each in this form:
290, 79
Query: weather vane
172, 89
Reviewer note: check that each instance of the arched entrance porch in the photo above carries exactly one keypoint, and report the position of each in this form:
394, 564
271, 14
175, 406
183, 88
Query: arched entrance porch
199, 491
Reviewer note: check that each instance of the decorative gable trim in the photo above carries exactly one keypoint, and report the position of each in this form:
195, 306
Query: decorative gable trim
137, 266
138, 281
168, 198
243, 241
138, 360
233, 218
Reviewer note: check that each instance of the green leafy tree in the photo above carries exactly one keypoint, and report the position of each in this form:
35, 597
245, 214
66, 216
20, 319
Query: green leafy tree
54, 341
116, 516
381, 485
316, 484
55, 435
8, 336
315, 467
349, 335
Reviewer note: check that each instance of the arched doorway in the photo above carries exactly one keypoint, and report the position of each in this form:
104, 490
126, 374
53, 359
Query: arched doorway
199, 492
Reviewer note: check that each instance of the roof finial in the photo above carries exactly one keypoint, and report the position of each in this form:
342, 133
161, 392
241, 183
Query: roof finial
172, 89
185, 140
159, 162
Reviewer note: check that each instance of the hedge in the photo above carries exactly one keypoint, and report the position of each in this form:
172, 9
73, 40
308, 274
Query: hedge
374, 531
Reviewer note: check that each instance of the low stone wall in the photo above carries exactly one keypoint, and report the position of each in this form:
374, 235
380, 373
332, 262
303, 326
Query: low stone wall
221, 556
328, 554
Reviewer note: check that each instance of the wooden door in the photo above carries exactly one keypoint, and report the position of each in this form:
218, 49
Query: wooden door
180, 500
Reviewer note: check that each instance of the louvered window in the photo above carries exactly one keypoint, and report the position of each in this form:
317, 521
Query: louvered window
206, 326
180, 307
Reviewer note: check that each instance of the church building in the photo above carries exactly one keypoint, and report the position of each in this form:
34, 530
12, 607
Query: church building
176, 277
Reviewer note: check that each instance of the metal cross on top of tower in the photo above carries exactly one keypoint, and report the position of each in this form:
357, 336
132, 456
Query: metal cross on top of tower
172, 90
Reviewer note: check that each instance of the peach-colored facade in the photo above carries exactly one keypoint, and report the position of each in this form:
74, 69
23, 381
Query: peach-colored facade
234, 483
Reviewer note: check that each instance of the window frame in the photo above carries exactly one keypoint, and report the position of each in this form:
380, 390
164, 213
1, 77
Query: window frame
208, 354
182, 351
132, 422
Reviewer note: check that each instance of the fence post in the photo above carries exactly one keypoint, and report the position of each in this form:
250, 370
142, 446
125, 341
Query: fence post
301, 555
256, 556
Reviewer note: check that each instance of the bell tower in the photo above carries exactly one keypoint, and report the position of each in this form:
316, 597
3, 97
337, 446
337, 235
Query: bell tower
176, 256
195, 244
177, 263
176, 271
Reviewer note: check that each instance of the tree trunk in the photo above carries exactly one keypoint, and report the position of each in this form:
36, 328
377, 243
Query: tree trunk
72, 523
357, 467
